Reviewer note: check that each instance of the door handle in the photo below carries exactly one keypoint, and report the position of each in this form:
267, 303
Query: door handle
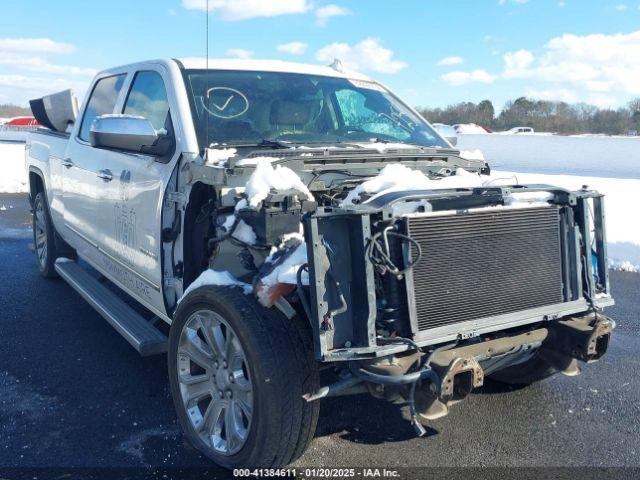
105, 175
67, 162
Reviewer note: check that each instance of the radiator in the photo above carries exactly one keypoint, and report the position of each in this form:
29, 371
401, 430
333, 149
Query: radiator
480, 264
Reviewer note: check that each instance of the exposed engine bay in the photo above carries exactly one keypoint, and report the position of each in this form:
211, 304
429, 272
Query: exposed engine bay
419, 273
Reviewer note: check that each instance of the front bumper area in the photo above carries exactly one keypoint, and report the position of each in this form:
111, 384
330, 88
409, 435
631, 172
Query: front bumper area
433, 381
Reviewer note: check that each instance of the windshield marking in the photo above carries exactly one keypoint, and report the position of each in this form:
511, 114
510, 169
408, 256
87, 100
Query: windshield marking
221, 108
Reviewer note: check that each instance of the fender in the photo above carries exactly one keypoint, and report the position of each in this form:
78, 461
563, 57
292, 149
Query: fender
33, 182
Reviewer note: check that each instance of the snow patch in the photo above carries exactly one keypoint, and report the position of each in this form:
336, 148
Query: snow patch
528, 198
383, 147
287, 271
214, 277
624, 266
470, 128
13, 174
397, 177
265, 178
472, 154
243, 232
414, 206
216, 156
249, 162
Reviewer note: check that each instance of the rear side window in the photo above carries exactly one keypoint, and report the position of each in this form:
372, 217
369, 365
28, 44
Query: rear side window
102, 101
148, 98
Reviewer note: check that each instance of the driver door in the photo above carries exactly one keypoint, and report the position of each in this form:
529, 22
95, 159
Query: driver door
82, 179
131, 202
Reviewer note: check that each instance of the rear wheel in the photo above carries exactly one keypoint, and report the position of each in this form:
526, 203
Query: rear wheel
237, 373
44, 237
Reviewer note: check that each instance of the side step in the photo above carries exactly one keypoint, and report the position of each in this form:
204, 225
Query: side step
146, 339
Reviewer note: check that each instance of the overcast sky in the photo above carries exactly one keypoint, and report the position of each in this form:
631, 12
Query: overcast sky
430, 52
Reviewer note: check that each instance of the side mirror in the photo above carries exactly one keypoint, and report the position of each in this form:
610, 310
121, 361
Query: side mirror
130, 134
447, 132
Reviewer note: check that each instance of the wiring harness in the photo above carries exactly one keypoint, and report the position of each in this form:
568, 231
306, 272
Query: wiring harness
379, 252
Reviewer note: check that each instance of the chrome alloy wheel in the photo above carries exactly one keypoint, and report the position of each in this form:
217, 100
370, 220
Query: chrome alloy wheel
40, 233
214, 382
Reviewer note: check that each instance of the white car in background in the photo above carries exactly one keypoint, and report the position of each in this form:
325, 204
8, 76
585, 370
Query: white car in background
520, 131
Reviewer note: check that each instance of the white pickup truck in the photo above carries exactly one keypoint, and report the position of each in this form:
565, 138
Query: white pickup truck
270, 219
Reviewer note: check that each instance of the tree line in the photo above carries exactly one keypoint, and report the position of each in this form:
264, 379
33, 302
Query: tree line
7, 111
542, 116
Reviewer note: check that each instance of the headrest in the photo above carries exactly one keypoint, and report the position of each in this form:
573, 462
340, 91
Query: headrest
284, 112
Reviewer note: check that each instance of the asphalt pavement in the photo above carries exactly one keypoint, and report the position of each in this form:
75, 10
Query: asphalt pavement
73, 393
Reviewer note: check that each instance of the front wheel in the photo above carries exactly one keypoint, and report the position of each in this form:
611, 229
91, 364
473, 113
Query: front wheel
237, 373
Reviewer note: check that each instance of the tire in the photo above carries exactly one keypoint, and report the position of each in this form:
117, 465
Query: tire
44, 237
277, 368
525, 373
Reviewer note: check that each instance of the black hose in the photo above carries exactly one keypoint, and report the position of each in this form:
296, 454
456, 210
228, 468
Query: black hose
423, 372
380, 256
395, 380
302, 295
343, 303
228, 236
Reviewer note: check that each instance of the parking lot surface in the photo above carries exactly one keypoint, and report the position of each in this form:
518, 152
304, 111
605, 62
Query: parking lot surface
73, 393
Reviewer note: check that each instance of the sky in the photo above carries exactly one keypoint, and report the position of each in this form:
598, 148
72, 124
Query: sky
431, 53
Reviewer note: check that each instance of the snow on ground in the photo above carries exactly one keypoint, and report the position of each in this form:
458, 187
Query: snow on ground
13, 176
8, 134
470, 128
617, 157
622, 218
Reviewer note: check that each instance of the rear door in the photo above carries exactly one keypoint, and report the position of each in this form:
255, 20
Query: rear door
82, 178
131, 203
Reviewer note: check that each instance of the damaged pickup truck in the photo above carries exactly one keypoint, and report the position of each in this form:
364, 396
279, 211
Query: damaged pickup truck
277, 221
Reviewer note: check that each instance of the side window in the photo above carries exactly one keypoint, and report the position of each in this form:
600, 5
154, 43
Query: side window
102, 101
148, 98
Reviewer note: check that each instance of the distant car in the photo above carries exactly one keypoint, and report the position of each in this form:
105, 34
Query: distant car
520, 130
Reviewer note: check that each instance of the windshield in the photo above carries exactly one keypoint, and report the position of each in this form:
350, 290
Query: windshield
242, 107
